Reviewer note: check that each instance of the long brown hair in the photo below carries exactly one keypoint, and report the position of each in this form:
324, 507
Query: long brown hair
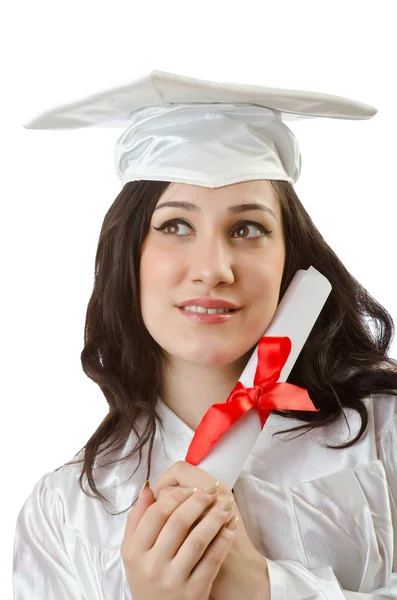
343, 361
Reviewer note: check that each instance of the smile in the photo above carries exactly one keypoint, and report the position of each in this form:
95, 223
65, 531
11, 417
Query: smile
208, 316
208, 311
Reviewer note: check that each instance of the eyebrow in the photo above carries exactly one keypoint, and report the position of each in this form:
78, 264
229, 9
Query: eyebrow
232, 209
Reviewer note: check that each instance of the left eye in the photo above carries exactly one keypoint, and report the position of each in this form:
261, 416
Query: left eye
244, 226
240, 227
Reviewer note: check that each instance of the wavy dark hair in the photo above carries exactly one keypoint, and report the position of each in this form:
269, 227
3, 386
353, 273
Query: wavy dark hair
344, 359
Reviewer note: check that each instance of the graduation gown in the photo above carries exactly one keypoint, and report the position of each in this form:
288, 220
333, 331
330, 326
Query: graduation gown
325, 520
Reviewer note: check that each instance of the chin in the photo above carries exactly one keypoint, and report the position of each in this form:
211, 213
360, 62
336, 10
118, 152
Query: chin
208, 356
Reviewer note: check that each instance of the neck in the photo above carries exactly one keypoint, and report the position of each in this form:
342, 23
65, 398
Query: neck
190, 389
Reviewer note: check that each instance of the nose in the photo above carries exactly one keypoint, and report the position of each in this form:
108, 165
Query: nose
210, 261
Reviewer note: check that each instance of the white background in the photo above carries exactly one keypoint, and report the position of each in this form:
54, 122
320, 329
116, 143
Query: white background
57, 186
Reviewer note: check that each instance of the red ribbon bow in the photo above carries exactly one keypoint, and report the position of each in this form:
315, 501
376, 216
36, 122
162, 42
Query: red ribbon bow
265, 396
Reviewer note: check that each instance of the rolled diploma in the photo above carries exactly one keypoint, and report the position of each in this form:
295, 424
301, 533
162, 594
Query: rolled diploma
295, 317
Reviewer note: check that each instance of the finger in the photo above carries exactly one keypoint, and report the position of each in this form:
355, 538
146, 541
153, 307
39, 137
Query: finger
166, 491
196, 544
145, 500
209, 564
154, 519
176, 530
136, 513
184, 474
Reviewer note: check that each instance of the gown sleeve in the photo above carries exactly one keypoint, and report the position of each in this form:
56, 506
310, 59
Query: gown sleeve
41, 566
289, 580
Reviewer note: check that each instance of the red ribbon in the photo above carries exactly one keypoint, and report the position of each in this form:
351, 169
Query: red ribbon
265, 396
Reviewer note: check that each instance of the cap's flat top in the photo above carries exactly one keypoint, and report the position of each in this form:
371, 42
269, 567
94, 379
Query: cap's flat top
112, 107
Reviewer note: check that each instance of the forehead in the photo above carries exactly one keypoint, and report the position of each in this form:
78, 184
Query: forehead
245, 191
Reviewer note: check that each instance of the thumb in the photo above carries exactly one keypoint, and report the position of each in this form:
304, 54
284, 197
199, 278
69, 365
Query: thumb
145, 499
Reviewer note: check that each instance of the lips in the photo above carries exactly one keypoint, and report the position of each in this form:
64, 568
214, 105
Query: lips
208, 303
204, 318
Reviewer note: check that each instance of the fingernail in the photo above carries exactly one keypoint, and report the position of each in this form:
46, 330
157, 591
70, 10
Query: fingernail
212, 488
145, 485
232, 524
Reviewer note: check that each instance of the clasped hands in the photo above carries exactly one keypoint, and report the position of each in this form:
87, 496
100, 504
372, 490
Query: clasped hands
243, 572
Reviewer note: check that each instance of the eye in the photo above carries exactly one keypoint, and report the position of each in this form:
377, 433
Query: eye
243, 226
174, 228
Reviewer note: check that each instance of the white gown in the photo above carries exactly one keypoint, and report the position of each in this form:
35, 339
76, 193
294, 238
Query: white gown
326, 520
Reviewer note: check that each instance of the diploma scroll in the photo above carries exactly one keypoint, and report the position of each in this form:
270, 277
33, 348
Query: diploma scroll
295, 317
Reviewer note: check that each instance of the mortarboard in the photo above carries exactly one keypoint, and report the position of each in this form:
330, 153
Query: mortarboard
188, 130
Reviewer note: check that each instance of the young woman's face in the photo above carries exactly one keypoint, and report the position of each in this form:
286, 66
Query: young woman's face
212, 247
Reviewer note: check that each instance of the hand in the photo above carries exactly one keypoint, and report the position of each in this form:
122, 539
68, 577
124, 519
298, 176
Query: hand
243, 567
166, 557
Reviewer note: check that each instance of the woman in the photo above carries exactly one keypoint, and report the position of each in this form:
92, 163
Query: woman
208, 213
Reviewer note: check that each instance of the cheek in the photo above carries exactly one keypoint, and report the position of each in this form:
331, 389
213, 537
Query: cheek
158, 276
155, 268
263, 278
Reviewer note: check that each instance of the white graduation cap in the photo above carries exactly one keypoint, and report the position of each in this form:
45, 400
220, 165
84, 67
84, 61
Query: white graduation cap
188, 130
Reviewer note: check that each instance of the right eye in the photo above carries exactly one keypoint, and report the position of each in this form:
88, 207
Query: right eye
173, 227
